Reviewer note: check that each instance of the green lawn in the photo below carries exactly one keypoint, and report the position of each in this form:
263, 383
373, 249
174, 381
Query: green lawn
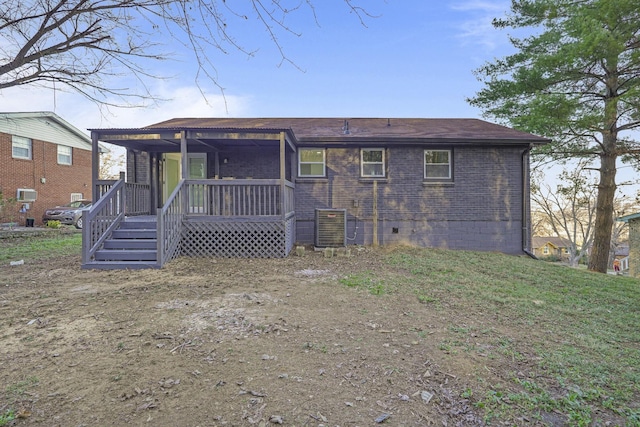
42, 246
580, 329
574, 334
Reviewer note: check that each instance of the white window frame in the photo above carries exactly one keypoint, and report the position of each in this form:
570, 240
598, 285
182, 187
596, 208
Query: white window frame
323, 163
545, 250
363, 163
76, 196
448, 164
22, 143
62, 157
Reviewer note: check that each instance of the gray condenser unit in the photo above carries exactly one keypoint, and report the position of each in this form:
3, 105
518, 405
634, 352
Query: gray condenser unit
331, 228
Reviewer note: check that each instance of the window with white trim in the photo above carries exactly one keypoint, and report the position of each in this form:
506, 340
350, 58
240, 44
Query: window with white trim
312, 162
64, 155
21, 147
437, 164
372, 162
76, 196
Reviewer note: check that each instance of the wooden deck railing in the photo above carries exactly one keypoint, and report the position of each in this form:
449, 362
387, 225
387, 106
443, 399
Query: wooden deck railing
170, 225
103, 217
239, 198
137, 196
223, 199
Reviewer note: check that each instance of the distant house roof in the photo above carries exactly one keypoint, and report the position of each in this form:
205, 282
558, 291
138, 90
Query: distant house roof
45, 126
621, 250
628, 218
555, 241
338, 131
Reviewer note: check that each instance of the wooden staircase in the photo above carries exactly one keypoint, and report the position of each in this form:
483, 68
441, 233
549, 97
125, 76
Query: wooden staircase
133, 245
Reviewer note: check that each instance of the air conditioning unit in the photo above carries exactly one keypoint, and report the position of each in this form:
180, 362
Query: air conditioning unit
331, 228
27, 195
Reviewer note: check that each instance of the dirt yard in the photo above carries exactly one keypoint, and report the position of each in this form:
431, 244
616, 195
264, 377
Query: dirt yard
230, 342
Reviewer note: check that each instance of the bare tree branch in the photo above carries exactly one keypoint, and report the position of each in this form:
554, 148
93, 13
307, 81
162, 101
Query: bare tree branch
87, 45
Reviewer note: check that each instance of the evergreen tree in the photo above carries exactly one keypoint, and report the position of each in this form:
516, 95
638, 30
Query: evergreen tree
576, 79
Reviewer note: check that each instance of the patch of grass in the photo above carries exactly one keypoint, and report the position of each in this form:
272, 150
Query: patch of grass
367, 281
20, 387
578, 327
40, 247
6, 417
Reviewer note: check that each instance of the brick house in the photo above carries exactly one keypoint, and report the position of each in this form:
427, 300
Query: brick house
44, 162
255, 187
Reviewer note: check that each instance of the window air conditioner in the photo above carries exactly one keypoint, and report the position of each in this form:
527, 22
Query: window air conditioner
27, 195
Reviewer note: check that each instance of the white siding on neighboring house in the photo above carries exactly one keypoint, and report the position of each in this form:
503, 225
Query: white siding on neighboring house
44, 127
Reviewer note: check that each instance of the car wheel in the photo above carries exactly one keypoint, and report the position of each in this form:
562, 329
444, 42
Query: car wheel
78, 223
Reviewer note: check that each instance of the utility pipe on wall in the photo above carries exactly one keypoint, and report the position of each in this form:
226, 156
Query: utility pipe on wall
375, 213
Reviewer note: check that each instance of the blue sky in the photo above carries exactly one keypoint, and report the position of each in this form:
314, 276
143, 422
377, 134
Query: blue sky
415, 58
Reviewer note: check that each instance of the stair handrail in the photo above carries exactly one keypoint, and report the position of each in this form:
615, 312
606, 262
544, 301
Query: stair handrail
169, 224
101, 219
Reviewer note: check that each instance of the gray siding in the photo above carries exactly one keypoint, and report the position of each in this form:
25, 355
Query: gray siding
480, 210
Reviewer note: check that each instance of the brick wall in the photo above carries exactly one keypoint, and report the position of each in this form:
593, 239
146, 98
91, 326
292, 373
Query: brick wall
60, 180
250, 162
480, 210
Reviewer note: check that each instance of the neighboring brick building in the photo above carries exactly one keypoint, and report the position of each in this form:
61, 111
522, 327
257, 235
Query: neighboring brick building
44, 162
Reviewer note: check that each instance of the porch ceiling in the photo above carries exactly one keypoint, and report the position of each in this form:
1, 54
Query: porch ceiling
167, 140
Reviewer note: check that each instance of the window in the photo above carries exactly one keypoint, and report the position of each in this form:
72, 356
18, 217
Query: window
21, 147
76, 196
437, 164
312, 162
64, 155
545, 250
372, 162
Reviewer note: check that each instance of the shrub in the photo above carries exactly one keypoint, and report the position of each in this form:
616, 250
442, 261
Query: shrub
8, 209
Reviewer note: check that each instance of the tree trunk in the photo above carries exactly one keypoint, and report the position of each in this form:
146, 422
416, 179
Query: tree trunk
599, 259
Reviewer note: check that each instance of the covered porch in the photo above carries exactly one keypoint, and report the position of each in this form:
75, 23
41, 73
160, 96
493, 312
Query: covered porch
231, 194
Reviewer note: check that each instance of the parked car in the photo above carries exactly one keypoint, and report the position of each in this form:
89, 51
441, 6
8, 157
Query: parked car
70, 214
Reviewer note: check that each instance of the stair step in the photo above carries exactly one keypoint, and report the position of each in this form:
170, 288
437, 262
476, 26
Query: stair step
133, 224
134, 234
131, 244
120, 265
126, 255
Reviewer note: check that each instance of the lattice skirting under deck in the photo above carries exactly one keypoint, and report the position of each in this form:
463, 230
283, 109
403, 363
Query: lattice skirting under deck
230, 239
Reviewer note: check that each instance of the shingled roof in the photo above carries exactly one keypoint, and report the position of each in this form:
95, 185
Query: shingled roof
351, 129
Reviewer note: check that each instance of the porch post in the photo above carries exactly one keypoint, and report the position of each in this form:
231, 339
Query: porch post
95, 166
283, 174
153, 182
185, 165
183, 153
